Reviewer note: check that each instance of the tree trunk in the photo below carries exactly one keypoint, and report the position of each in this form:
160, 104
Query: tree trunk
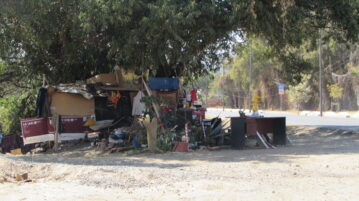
151, 128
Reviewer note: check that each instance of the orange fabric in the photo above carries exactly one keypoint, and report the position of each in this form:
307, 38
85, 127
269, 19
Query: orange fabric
115, 98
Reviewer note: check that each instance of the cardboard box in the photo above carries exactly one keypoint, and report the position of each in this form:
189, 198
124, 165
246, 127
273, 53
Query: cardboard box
71, 104
180, 147
170, 97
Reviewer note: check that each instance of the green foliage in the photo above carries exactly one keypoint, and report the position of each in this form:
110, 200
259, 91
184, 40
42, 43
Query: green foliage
13, 108
354, 70
234, 83
335, 91
168, 117
71, 40
165, 140
149, 101
79, 38
301, 93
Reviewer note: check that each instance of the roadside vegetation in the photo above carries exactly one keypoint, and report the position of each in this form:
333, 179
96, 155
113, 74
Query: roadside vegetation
52, 42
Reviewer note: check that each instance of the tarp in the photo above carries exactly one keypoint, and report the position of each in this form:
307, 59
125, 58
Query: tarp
80, 89
138, 106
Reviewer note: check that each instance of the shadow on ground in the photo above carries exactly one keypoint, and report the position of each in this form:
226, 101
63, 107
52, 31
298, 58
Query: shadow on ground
305, 141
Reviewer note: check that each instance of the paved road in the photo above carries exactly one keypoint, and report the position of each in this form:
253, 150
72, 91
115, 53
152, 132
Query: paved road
298, 120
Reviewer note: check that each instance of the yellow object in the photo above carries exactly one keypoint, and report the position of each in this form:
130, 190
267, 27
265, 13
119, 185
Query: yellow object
71, 104
16, 151
256, 102
90, 122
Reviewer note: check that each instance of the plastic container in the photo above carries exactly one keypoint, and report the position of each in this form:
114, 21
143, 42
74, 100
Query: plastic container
164, 83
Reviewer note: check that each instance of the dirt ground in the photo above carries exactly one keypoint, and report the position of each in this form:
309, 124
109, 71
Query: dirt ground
321, 164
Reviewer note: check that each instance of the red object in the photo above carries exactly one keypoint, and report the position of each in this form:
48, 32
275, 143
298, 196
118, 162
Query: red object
167, 109
40, 126
193, 94
70, 124
180, 147
115, 99
34, 127
262, 125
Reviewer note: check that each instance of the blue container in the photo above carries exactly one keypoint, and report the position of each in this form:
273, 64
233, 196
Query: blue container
135, 143
164, 83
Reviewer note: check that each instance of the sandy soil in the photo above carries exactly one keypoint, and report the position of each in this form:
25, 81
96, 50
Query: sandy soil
321, 164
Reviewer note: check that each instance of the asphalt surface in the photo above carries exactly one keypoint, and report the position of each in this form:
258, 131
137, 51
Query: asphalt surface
338, 122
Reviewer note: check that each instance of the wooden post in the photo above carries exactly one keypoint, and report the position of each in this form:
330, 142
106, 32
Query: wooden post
155, 106
152, 135
56, 125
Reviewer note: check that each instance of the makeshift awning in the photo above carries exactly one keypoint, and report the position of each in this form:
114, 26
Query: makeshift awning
80, 89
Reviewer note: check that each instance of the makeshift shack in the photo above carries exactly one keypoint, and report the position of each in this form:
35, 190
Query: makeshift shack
103, 108
103, 97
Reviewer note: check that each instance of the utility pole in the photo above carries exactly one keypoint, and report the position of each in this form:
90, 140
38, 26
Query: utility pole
250, 75
320, 75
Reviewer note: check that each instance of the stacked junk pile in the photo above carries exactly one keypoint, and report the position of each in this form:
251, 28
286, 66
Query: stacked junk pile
121, 111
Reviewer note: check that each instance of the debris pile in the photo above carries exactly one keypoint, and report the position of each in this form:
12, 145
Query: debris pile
118, 112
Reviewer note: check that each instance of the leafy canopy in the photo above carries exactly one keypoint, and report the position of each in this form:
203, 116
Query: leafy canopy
69, 40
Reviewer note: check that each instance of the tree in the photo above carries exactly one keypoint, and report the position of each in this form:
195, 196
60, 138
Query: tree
69, 40
335, 92
78, 38
265, 76
301, 93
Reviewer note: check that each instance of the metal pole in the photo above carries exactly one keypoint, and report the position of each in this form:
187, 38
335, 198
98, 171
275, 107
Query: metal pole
320, 75
250, 75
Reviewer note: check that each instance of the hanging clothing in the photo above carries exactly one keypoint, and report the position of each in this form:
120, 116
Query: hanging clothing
138, 107
42, 104
193, 95
188, 97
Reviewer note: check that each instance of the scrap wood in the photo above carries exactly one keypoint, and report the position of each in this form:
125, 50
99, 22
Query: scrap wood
154, 105
21, 177
16, 151
215, 148
180, 147
119, 149
8, 179
103, 145
262, 141
16, 178
3, 179
288, 140
271, 145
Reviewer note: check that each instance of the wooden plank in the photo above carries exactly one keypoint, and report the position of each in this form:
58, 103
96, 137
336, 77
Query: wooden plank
56, 123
